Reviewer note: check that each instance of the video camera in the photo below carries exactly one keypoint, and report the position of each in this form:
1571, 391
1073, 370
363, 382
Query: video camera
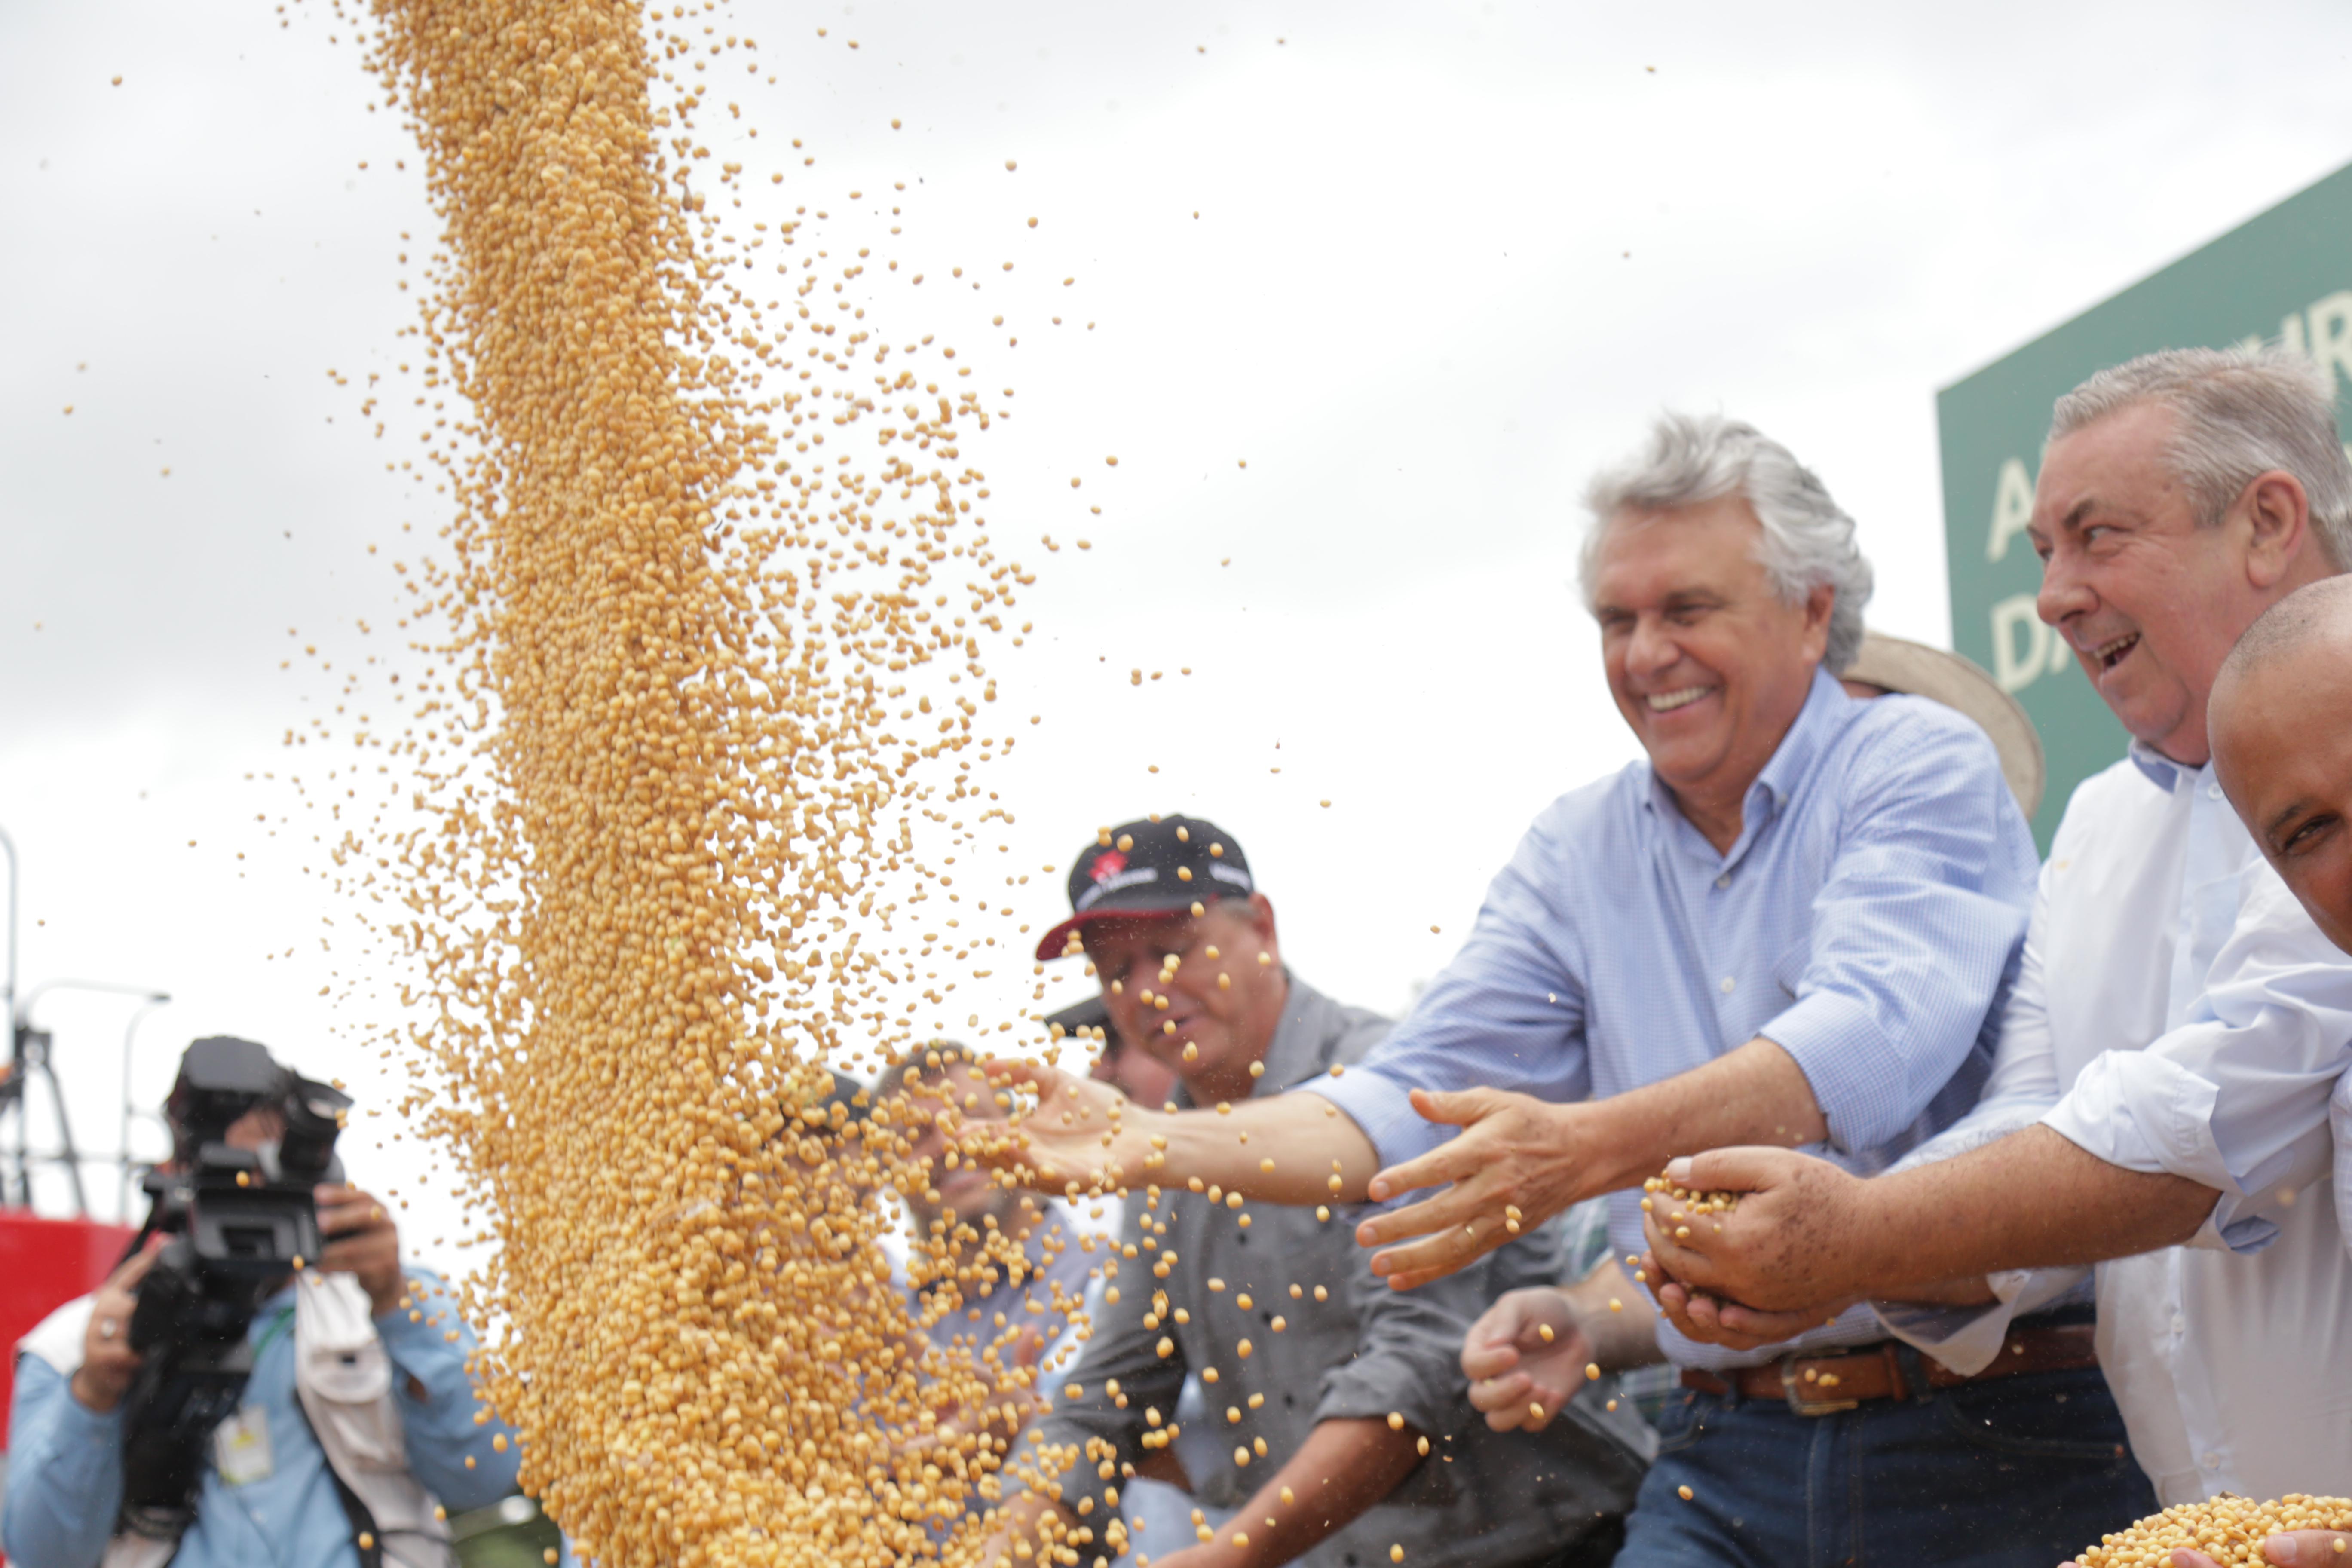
240, 1220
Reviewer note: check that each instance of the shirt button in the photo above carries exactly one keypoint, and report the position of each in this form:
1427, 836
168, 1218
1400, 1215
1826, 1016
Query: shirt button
1727, 984
1724, 881
2179, 1323
2212, 792
2212, 1459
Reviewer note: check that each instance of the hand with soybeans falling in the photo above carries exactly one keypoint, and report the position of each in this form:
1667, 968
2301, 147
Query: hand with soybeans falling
1784, 1248
1525, 1357
1080, 1130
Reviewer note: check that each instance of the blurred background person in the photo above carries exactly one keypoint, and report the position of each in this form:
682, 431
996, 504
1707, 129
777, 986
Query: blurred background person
356, 1424
997, 1277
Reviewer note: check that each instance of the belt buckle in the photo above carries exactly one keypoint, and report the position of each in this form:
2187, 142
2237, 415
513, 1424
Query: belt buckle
1795, 1390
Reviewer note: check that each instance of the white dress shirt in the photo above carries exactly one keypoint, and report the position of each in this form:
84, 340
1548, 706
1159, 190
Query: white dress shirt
2196, 1022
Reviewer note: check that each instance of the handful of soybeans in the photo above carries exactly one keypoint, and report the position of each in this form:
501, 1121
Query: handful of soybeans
1681, 1204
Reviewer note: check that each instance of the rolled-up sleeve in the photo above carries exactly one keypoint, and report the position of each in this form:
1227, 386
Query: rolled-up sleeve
1507, 1012
64, 1473
1122, 1352
1917, 925
2236, 1097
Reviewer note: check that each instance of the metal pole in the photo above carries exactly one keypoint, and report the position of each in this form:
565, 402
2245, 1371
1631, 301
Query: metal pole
65, 1135
23, 1023
129, 1032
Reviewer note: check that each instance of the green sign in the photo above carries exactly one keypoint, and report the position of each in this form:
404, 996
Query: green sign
2285, 277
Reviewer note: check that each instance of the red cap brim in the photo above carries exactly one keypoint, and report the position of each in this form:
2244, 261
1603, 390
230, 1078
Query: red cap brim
1051, 945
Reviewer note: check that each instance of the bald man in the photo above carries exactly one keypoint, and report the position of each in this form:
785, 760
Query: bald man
2281, 720
2283, 752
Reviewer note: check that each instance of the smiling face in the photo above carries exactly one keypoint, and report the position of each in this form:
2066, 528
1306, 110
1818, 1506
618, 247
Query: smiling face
1708, 664
2150, 601
2282, 750
2134, 585
1221, 996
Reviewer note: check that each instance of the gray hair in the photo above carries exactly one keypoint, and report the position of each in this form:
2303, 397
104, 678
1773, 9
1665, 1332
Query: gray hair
2238, 414
1807, 543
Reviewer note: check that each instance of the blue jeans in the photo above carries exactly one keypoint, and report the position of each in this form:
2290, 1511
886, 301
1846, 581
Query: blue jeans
2012, 1472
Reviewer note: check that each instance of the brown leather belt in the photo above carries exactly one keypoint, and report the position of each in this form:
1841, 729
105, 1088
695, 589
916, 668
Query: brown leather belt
1820, 1385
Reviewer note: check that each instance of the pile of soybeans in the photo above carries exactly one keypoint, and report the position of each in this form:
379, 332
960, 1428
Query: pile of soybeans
699, 715
2229, 1528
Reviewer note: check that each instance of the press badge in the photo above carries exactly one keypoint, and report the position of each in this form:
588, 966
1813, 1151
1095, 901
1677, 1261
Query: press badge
241, 1446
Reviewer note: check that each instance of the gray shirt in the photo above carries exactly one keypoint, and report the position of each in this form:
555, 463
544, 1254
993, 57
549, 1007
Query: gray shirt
1363, 1350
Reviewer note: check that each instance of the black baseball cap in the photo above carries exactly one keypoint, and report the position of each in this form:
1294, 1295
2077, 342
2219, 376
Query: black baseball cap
1084, 1019
1161, 866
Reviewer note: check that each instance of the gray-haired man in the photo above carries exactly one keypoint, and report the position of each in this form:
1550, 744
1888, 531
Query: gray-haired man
1791, 923
2190, 1014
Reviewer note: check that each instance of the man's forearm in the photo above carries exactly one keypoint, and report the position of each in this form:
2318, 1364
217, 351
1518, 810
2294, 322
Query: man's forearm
1344, 1468
2033, 1200
1961, 1290
1754, 1094
1283, 1149
1617, 1319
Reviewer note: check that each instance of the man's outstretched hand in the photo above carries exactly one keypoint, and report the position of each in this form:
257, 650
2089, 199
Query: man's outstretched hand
1079, 1130
1516, 1162
1790, 1246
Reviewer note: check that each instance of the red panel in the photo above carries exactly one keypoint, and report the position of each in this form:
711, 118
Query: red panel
44, 1264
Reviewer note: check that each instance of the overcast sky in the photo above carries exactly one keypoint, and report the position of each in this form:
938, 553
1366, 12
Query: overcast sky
1420, 266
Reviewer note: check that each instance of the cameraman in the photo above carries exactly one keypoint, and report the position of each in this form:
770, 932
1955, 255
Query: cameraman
268, 1494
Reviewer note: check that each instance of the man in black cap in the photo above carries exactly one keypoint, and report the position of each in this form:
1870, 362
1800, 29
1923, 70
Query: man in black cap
1341, 1403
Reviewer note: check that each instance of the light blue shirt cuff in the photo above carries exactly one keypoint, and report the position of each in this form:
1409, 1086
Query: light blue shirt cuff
1856, 1080
1382, 1107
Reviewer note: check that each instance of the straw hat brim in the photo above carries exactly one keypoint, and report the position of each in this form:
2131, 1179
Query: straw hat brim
1915, 669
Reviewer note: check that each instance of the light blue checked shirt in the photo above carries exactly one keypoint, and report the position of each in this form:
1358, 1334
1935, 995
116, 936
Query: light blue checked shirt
1867, 920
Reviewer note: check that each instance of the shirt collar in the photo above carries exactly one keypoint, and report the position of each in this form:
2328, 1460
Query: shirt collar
2161, 771
1817, 722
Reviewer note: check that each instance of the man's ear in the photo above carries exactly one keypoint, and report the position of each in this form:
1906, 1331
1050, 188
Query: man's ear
2276, 514
1261, 917
1819, 605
